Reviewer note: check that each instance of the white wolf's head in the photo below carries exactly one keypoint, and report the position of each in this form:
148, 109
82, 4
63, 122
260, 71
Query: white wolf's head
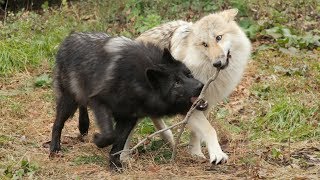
211, 37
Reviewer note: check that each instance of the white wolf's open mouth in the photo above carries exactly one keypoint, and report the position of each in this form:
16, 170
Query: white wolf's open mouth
193, 99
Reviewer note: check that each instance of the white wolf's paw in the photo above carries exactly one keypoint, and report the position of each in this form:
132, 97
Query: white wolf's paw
199, 155
125, 157
219, 158
196, 152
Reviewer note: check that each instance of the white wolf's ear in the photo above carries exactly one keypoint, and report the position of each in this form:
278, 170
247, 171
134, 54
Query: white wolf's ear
229, 14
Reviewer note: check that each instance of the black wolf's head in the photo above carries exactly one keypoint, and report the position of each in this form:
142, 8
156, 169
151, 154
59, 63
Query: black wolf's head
175, 83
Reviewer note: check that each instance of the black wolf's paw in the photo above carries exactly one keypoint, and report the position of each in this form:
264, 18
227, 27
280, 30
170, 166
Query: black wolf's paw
102, 140
115, 164
84, 126
202, 106
81, 137
54, 149
55, 154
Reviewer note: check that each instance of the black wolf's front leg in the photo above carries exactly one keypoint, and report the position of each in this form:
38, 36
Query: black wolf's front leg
103, 117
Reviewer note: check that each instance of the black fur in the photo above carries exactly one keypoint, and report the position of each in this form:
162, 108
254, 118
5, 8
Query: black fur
119, 82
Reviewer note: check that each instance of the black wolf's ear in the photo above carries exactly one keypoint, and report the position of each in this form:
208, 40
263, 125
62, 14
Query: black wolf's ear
154, 77
167, 56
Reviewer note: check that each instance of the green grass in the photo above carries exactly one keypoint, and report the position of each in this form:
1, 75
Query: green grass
288, 118
18, 109
44, 80
26, 169
91, 159
29, 39
286, 97
4, 140
145, 127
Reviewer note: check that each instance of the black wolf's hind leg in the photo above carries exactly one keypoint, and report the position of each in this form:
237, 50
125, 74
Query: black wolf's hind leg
83, 120
104, 121
66, 107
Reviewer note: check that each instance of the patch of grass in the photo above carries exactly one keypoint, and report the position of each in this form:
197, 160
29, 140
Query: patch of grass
146, 127
92, 159
48, 96
44, 80
261, 91
26, 169
288, 118
65, 149
17, 108
249, 160
34, 38
4, 140
286, 107
156, 145
286, 39
163, 156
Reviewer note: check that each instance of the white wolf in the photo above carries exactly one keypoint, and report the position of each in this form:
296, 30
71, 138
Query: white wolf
199, 45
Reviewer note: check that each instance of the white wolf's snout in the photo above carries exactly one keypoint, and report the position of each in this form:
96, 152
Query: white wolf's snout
219, 54
217, 64
222, 62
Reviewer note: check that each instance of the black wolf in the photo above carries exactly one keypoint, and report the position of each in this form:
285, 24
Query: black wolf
120, 80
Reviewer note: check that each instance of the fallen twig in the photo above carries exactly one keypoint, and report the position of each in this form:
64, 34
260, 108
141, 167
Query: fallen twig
148, 138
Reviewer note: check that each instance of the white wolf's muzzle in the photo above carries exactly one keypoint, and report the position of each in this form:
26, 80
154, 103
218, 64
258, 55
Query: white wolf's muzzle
222, 64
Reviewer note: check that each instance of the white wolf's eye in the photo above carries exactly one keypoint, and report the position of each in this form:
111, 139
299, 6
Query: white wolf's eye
218, 38
204, 44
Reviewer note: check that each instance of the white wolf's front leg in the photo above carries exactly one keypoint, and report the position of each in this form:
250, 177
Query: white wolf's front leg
125, 156
165, 135
199, 124
195, 145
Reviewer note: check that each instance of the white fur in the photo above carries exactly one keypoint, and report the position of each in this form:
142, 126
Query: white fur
166, 135
75, 87
114, 45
